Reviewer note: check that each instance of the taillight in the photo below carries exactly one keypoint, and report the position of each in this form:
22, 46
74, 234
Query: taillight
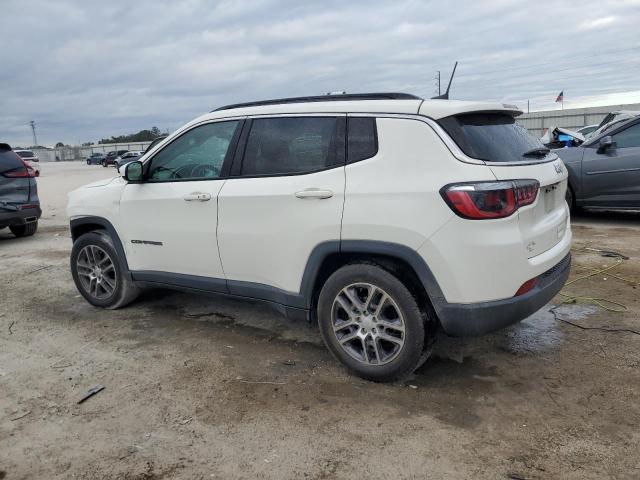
486, 200
19, 173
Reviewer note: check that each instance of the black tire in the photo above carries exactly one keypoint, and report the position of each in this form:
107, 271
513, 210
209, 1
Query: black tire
124, 292
104, 163
25, 230
411, 354
570, 198
88, 162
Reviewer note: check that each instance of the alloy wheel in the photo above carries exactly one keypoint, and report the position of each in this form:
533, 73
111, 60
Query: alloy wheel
368, 324
97, 272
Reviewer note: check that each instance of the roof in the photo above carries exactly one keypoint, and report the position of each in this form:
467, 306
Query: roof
391, 103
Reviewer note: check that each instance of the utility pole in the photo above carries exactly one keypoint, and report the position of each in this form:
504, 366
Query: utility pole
438, 81
33, 130
527, 106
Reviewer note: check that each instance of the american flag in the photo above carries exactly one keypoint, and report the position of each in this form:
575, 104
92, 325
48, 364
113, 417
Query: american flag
560, 97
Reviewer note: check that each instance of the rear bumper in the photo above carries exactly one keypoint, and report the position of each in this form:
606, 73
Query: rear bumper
473, 319
19, 217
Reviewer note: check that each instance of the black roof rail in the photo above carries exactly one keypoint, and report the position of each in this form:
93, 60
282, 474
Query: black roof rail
325, 98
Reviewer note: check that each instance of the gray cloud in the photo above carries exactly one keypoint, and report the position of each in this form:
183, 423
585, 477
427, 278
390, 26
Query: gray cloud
84, 70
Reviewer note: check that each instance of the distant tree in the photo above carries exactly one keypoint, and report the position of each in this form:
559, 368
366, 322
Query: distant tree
87, 144
59, 144
141, 136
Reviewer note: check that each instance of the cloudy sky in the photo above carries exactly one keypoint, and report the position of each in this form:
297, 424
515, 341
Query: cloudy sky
88, 69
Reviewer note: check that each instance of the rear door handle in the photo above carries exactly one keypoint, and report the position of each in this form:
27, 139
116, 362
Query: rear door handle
197, 197
314, 193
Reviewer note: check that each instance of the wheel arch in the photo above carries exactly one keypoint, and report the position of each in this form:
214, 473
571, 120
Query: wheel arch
82, 225
400, 260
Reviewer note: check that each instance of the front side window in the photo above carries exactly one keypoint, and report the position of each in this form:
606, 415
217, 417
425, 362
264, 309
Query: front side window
492, 137
196, 155
290, 145
629, 137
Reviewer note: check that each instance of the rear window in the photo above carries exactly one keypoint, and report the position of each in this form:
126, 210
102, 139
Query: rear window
9, 161
492, 137
25, 153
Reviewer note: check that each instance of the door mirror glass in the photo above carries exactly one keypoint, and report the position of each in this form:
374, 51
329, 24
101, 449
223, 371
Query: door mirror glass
605, 143
133, 171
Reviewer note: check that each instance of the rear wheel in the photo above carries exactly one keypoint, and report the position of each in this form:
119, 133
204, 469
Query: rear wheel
104, 163
25, 230
371, 322
99, 274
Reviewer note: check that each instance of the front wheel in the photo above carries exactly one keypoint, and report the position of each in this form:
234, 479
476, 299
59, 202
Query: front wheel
104, 164
99, 274
371, 323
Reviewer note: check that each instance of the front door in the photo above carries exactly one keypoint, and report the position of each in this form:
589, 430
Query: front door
611, 178
170, 219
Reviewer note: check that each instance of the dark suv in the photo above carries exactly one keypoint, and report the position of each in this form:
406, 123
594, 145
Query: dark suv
110, 158
19, 203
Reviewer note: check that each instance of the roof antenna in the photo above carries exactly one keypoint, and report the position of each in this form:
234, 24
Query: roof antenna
445, 95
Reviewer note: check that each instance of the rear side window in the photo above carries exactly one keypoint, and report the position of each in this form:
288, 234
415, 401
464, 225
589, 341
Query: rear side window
362, 138
290, 145
10, 161
492, 137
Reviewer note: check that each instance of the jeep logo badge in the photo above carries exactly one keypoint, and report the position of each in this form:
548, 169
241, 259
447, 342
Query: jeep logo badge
558, 167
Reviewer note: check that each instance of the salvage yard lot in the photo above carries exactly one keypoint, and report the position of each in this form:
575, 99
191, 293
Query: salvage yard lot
211, 388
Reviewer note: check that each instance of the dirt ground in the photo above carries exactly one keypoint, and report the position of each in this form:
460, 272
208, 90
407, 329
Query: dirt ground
209, 388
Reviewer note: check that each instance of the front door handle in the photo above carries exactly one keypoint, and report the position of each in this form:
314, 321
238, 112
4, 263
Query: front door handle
314, 193
197, 197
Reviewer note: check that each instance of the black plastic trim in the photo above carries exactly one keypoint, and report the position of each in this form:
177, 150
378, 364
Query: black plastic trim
195, 282
324, 98
106, 225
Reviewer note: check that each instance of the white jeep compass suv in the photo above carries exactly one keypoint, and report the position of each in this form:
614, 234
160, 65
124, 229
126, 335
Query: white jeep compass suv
380, 216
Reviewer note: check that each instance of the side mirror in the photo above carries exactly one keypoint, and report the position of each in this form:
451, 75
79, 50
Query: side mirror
133, 172
605, 143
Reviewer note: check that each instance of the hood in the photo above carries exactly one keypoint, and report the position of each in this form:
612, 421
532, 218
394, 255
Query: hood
100, 183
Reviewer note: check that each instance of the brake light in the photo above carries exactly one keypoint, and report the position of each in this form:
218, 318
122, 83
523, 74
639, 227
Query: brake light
487, 200
18, 173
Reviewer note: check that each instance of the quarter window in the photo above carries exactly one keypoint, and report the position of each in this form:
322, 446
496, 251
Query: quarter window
290, 145
362, 139
629, 137
196, 155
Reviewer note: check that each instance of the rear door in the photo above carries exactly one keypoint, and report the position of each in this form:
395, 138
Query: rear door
611, 178
285, 199
15, 184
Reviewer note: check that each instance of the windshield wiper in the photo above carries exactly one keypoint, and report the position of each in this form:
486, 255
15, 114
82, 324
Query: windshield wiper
537, 152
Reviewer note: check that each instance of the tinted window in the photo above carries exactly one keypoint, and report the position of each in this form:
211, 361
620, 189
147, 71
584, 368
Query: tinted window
362, 139
196, 155
25, 153
9, 161
490, 137
290, 145
629, 137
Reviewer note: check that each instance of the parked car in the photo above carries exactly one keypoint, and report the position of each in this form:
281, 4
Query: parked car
110, 158
30, 159
95, 158
127, 157
559, 137
382, 227
19, 203
155, 142
604, 172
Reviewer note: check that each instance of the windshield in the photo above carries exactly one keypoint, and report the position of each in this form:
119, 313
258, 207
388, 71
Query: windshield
25, 153
493, 137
